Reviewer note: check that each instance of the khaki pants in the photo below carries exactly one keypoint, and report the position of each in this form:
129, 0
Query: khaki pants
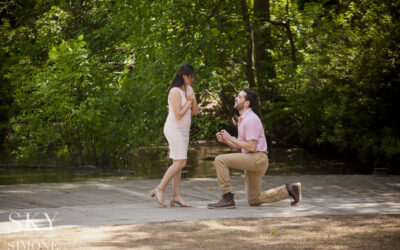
254, 165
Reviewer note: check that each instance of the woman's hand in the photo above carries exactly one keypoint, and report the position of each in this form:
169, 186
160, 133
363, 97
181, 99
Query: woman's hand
190, 96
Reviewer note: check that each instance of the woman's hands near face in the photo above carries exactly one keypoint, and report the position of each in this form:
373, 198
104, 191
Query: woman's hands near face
190, 96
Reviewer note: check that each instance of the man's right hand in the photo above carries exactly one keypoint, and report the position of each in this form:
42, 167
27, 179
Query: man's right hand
219, 137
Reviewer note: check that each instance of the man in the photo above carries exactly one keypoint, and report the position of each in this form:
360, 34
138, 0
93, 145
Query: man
253, 159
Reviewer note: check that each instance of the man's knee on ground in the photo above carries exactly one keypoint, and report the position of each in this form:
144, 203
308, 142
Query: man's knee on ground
219, 159
254, 202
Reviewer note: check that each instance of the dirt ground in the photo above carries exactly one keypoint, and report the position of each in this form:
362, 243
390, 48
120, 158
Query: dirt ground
313, 232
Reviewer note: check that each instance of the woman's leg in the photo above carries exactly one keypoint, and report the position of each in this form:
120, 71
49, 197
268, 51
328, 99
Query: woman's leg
158, 192
176, 183
172, 172
176, 190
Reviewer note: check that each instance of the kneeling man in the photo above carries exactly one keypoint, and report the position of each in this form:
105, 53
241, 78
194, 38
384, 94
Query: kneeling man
253, 159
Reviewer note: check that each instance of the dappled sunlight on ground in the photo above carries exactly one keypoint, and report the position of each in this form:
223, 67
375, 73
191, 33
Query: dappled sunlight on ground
316, 232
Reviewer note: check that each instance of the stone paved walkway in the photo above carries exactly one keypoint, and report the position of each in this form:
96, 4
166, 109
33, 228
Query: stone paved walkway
57, 205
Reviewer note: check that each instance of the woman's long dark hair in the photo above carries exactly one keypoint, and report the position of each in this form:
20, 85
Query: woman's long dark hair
184, 69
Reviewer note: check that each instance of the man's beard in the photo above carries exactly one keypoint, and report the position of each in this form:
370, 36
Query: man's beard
238, 106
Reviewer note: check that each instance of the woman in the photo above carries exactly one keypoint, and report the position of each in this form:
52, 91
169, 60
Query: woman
182, 103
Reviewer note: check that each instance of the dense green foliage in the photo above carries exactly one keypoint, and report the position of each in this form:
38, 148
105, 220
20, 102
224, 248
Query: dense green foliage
88, 80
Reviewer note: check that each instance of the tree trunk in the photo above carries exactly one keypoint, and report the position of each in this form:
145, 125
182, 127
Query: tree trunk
292, 46
264, 64
250, 66
290, 36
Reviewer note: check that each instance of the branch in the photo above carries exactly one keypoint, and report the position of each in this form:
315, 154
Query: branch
283, 23
286, 25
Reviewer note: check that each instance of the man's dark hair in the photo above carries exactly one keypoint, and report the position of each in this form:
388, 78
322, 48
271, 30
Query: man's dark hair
251, 96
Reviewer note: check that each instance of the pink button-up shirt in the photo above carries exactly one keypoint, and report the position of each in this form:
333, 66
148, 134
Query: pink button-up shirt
251, 128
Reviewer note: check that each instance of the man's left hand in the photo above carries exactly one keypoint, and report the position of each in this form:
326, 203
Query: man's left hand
225, 134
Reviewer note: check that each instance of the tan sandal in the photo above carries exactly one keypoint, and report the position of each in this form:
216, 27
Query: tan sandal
180, 203
153, 193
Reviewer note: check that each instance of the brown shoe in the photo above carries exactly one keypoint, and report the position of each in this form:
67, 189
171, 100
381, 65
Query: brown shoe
227, 201
294, 191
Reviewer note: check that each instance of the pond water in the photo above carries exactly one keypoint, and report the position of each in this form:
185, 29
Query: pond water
152, 164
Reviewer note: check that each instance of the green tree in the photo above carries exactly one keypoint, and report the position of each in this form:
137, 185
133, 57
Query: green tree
88, 80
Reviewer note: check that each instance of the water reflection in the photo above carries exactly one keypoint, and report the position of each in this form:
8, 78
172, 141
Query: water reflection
282, 161
150, 164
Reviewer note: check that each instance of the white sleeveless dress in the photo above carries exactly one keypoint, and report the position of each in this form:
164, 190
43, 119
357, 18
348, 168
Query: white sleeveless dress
177, 131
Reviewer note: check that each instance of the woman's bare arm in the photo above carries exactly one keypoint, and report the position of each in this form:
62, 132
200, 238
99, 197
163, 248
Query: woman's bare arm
175, 99
195, 107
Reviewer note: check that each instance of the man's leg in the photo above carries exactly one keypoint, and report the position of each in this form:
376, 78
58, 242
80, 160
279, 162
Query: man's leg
254, 183
285, 191
247, 162
253, 179
253, 186
238, 161
274, 194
